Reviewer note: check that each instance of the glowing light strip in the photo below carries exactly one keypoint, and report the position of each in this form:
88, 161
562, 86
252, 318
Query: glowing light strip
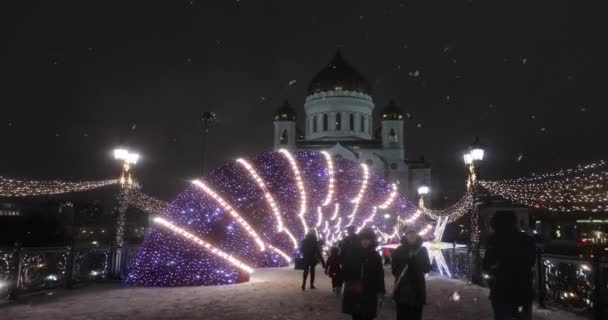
390, 199
269, 199
425, 230
357, 199
336, 211
319, 217
414, 217
330, 187
281, 253
337, 226
162, 222
299, 184
232, 212
326, 229
369, 219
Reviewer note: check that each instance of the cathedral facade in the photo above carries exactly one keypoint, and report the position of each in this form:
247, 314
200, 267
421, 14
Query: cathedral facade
339, 119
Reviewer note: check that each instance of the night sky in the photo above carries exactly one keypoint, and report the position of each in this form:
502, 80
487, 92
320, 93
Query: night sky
78, 78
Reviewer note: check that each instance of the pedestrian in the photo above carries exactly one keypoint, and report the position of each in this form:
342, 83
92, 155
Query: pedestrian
409, 266
364, 278
333, 268
509, 262
311, 255
350, 240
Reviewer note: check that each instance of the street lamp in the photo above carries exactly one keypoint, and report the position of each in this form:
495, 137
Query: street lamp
474, 155
422, 191
206, 119
128, 159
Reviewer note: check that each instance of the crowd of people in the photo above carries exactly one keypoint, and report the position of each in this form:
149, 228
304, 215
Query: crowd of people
357, 273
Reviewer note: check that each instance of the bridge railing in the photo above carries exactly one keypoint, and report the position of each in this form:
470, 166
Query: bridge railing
566, 282
29, 269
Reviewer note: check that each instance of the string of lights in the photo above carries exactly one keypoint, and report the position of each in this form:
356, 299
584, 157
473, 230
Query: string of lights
582, 189
357, 199
454, 212
331, 180
232, 212
300, 184
26, 188
194, 239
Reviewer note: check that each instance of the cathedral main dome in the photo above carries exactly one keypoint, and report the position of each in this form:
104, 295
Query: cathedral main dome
339, 75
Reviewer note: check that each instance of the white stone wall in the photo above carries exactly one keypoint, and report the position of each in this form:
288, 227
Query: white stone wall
288, 127
330, 104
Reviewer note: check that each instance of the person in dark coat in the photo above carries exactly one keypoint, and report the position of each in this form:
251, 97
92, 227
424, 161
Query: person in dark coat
333, 268
364, 278
311, 254
410, 292
351, 240
509, 262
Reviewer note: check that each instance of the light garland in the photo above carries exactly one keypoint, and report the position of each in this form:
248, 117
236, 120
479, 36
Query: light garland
425, 230
269, 199
232, 212
391, 197
194, 239
583, 189
330, 170
319, 217
26, 188
454, 212
336, 211
300, 184
357, 199
368, 219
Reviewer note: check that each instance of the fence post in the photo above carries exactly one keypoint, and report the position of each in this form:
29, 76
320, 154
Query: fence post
453, 259
15, 274
598, 306
540, 277
69, 268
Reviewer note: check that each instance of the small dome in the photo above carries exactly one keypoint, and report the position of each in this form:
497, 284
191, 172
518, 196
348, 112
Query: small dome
339, 75
392, 112
285, 113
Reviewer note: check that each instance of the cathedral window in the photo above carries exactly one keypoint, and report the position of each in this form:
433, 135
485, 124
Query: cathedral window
314, 123
392, 136
325, 122
351, 120
362, 117
338, 121
284, 139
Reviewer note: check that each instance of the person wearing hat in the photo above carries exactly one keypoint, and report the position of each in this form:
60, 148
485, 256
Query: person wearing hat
364, 278
409, 266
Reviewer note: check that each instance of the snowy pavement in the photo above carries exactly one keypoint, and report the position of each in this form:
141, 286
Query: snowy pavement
271, 294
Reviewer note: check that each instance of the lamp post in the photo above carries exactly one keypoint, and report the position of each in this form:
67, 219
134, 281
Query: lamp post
206, 119
422, 191
128, 159
472, 157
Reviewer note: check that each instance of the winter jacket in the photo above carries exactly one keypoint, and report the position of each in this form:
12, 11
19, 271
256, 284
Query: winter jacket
412, 288
363, 269
509, 261
334, 266
311, 253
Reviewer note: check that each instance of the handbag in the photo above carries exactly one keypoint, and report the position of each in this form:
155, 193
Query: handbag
403, 271
355, 286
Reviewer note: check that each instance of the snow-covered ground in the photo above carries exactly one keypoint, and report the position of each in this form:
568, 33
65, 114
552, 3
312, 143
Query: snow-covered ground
271, 294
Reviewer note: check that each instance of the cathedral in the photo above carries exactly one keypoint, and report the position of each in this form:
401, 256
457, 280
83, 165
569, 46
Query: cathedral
339, 119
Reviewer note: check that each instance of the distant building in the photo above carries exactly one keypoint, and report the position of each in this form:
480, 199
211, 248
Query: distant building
339, 119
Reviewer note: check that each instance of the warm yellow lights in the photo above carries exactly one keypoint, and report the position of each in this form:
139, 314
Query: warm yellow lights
300, 185
391, 198
232, 212
185, 234
330, 187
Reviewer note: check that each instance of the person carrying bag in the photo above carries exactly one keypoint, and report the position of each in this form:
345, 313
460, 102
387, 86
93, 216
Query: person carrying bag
410, 264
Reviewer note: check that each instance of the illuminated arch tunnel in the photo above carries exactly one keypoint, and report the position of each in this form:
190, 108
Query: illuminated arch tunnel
252, 213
